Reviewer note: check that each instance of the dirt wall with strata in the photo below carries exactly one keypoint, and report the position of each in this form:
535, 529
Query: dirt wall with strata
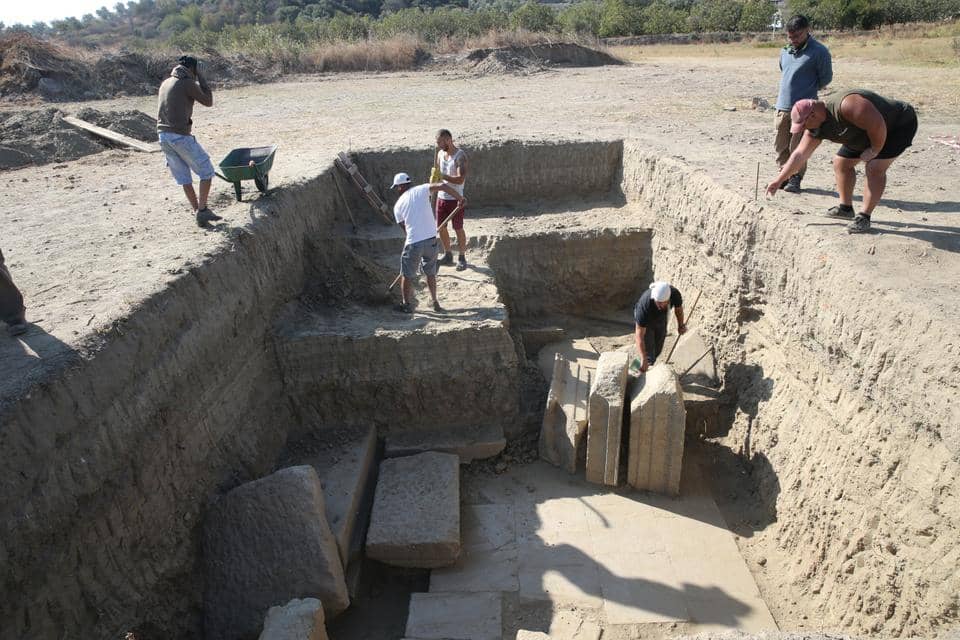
844, 407
107, 468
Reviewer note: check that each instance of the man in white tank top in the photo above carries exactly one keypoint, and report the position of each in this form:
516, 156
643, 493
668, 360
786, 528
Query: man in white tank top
452, 164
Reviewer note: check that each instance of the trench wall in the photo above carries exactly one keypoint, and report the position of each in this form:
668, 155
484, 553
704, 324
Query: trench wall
106, 470
571, 272
509, 173
844, 404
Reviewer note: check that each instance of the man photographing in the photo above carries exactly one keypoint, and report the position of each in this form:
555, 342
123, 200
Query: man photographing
184, 154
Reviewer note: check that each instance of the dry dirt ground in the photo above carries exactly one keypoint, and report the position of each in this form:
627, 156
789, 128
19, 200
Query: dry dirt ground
87, 240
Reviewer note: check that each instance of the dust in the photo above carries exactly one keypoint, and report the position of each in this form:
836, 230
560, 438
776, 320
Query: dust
41, 136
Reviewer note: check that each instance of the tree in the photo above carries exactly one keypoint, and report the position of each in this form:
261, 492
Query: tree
619, 19
715, 15
756, 15
533, 16
581, 17
660, 18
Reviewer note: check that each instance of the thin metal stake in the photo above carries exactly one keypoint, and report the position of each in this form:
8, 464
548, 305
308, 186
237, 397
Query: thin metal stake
756, 188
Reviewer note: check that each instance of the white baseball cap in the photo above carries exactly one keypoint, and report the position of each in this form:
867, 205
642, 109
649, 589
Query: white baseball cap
660, 291
400, 178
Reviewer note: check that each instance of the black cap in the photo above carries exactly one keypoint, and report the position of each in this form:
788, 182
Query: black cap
188, 61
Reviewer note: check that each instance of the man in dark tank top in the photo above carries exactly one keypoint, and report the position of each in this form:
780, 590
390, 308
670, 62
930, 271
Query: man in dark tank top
871, 129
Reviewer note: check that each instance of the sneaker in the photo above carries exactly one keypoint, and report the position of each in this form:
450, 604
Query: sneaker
839, 211
860, 224
783, 185
793, 184
18, 329
403, 307
446, 260
461, 263
437, 307
205, 216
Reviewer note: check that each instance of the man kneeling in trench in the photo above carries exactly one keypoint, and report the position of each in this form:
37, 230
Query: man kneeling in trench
415, 216
651, 316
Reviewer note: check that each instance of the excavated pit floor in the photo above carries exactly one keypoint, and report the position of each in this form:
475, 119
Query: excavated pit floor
546, 550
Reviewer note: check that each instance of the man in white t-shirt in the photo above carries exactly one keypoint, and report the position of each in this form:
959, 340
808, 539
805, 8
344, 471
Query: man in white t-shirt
450, 162
415, 216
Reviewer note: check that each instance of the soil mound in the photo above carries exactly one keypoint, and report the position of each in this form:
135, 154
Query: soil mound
537, 57
41, 136
32, 66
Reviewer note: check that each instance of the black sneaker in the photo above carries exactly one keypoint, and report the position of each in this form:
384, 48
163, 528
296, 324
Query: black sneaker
446, 260
860, 224
205, 216
793, 184
461, 263
437, 307
839, 211
403, 308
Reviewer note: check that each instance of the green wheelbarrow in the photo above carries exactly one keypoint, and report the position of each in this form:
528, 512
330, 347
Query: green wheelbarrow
248, 163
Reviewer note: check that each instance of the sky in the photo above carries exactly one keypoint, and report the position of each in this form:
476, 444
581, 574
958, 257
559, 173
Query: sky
29, 11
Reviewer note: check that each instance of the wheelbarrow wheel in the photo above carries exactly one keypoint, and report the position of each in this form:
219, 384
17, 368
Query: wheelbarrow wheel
262, 182
236, 190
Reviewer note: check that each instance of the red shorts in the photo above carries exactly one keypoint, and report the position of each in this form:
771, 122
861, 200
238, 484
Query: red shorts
445, 208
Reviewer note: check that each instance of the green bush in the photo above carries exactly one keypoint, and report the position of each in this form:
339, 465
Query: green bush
756, 15
533, 16
620, 19
661, 18
715, 15
581, 18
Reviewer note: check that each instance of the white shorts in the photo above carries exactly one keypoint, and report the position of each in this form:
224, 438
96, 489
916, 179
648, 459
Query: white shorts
183, 154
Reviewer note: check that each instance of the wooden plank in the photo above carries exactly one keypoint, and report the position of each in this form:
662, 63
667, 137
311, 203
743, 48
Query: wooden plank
344, 162
148, 147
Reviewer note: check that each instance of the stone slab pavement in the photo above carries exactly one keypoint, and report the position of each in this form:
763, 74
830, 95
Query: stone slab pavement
618, 559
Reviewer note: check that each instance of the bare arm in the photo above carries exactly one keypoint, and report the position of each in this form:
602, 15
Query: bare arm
861, 113
200, 91
681, 327
800, 155
639, 334
460, 171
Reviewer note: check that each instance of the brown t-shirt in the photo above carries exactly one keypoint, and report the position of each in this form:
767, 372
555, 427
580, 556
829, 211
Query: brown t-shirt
177, 95
836, 129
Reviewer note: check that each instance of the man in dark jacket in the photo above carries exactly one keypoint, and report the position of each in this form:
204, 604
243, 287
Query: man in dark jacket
11, 302
871, 129
174, 124
651, 315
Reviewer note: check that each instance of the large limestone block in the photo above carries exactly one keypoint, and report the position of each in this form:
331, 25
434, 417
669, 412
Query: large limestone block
455, 616
296, 620
657, 426
562, 435
689, 354
606, 418
265, 543
576, 351
416, 512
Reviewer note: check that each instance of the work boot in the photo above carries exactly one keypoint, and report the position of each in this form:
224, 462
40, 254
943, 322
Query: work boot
860, 224
403, 307
446, 260
461, 263
437, 307
793, 184
840, 211
205, 216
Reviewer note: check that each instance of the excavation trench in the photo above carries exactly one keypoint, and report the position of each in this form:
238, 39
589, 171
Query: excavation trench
266, 355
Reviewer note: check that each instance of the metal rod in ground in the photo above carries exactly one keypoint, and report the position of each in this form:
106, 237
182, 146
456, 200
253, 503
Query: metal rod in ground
695, 362
343, 197
756, 188
442, 224
686, 321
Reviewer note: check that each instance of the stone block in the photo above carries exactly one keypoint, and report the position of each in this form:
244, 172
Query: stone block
657, 427
296, 620
564, 428
689, 353
454, 616
468, 442
606, 418
575, 351
415, 520
265, 543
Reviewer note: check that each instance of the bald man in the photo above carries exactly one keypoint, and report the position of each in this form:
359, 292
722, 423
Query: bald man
11, 302
651, 315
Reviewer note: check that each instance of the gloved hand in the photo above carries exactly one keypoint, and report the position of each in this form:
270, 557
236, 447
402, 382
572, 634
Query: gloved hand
435, 175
